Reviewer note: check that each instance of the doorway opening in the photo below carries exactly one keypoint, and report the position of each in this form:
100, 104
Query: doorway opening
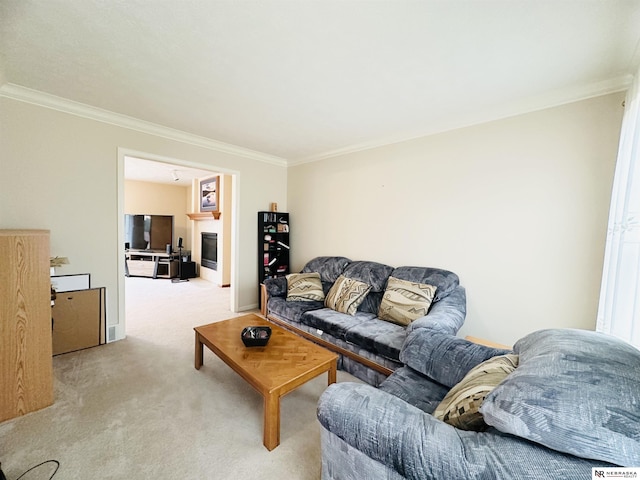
159, 185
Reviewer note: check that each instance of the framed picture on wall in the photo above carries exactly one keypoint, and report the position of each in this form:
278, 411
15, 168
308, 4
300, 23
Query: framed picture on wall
209, 194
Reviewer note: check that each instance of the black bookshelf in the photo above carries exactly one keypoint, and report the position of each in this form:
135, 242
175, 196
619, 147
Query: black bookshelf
273, 245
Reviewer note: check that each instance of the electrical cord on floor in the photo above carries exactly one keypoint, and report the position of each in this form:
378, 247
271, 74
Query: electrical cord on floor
57, 463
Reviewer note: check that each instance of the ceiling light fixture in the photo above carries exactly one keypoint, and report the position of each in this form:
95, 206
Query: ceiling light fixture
174, 174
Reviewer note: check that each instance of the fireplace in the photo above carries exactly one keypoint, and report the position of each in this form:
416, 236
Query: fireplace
209, 250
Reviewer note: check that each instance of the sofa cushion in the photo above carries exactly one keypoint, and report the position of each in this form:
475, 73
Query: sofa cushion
363, 330
291, 312
442, 356
304, 287
383, 338
329, 268
461, 406
371, 273
334, 323
574, 391
374, 274
276, 287
346, 295
414, 388
444, 280
404, 301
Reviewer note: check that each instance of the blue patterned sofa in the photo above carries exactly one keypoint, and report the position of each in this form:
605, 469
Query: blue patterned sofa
369, 347
571, 404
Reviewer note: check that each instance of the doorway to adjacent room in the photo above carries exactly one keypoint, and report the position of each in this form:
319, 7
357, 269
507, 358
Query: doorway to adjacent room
170, 187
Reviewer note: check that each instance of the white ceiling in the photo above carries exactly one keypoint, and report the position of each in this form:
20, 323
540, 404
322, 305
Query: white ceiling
159, 172
303, 80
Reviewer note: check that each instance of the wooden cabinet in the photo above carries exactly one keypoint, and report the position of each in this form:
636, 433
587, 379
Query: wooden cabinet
78, 320
26, 367
151, 264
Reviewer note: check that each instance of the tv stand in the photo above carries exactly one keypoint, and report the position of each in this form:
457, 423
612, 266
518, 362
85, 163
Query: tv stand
153, 264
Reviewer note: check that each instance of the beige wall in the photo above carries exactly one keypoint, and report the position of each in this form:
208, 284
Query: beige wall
517, 208
61, 172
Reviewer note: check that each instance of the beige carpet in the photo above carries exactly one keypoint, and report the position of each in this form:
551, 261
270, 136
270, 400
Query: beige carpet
138, 409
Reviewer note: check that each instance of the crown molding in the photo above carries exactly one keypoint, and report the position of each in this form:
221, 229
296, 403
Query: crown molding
35, 97
548, 100
551, 99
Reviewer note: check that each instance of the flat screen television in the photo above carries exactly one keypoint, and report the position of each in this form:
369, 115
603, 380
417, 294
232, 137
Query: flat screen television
148, 232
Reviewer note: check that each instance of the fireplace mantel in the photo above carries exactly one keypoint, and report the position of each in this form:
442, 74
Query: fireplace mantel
204, 215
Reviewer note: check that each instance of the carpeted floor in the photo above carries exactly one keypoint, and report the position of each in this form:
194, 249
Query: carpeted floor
138, 409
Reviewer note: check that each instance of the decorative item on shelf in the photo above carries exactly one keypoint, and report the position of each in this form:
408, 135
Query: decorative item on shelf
274, 207
256, 336
57, 262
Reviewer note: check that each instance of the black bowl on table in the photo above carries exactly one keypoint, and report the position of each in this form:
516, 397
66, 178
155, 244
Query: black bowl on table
257, 336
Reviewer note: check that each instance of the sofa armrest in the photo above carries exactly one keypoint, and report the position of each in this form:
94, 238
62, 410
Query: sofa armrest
446, 315
392, 432
276, 287
417, 446
443, 357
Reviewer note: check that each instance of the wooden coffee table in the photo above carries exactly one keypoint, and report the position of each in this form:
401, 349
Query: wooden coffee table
284, 364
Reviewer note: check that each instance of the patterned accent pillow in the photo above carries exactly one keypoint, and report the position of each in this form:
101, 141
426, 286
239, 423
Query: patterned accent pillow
460, 407
405, 301
346, 295
304, 287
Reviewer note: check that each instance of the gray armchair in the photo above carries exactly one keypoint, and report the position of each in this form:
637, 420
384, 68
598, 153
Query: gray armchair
573, 403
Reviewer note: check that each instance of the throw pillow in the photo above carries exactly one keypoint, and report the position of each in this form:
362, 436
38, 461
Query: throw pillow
404, 301
461, 406
346, 294
304, 287
575, 391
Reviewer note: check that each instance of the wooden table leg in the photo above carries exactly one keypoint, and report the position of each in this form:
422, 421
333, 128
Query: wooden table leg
271, 421
199, 354
332, 372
